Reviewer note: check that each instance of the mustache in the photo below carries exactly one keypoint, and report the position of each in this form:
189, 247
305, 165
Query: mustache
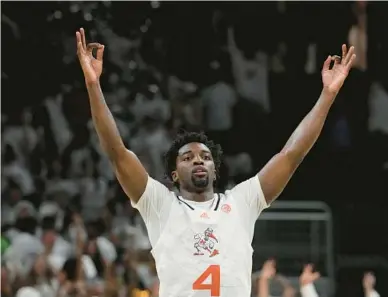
199, 169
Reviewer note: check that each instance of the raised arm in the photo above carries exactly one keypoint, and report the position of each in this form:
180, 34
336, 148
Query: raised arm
268, 271
128, 169
278, 171
368, 284
306, 281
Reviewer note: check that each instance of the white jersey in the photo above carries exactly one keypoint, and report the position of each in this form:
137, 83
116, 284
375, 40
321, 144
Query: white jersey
202, 249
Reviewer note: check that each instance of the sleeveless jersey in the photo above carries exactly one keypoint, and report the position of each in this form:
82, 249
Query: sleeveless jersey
204, 253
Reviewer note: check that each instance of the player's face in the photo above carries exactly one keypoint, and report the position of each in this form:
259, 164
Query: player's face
195, 167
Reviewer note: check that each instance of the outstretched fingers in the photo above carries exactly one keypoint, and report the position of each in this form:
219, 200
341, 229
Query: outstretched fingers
351, 61
83, 38
83, 48
344, 52
349, 55
80, 48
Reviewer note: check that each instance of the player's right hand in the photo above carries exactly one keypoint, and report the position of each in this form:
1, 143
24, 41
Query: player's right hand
91, 66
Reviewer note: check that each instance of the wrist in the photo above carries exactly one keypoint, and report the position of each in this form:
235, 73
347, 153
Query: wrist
368, 291
93, 83
328, 94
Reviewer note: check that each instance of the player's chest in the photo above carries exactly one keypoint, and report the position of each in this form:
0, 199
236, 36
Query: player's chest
205, 226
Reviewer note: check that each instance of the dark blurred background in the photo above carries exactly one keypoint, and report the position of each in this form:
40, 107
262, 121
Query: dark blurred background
246, 73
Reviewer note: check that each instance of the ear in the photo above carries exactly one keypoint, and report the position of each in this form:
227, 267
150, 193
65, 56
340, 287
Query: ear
174, 176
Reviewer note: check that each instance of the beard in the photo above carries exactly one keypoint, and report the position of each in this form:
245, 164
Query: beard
200, 183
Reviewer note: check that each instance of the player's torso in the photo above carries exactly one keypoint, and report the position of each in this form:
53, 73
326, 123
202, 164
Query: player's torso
203, 253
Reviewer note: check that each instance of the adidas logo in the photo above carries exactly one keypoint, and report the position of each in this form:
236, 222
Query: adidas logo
204, 215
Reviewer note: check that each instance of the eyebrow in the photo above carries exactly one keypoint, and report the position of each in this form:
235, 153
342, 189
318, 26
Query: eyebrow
187, 152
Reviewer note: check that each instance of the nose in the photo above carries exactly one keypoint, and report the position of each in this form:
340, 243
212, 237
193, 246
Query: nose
198, 161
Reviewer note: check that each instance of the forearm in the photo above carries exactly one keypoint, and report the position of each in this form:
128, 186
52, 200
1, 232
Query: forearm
263, 290
308, 131
104, 123
277, 172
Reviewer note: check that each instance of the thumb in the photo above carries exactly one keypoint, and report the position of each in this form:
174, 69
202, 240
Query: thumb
316, 276
100, 52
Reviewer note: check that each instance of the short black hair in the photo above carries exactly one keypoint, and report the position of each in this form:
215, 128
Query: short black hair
184, 138
70, 269
48, 223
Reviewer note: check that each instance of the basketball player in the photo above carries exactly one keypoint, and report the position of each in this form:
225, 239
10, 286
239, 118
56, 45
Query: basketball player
186, 230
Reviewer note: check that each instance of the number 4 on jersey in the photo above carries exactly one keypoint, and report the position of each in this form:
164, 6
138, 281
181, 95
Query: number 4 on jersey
215, 283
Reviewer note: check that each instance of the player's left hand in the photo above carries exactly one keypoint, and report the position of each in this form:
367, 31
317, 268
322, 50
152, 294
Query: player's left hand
308, 275
334, 78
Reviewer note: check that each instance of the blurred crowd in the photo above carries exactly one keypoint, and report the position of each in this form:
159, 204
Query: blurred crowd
245, 74
268, 276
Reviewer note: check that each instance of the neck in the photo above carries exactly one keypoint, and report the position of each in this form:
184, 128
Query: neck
206, 195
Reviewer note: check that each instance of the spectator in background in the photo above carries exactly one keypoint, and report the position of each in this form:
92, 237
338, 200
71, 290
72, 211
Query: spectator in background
218, 101
152, 141
357, 36
378, 121
357, 89
21, 136
93, 190
250, 74
268, 271
186, 105
101, 161
54, 243
149, 102
25, 245
288, 289
14, 169
28, 292
56, 181
306, 281
368, 284
58, 123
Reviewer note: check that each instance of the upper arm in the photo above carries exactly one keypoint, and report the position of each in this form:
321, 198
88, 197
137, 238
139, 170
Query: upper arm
155, 200
131, 174
275, 175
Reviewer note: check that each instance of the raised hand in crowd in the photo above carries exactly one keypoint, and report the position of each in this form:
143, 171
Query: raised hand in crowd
368, 284
268, 271
306, 281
